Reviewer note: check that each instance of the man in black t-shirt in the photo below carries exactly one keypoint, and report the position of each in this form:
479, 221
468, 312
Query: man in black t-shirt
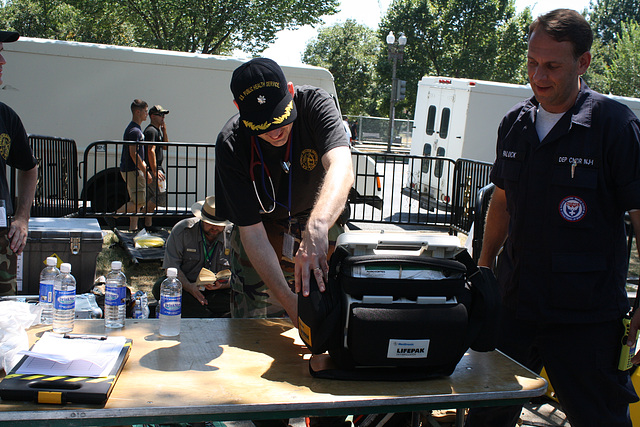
16, 152
283, 175
156, 131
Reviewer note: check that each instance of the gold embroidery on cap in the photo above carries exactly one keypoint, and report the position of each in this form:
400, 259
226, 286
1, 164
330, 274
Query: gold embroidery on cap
276, 121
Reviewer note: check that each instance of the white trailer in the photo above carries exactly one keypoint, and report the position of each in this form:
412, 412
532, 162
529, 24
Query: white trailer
83, 91
459, 118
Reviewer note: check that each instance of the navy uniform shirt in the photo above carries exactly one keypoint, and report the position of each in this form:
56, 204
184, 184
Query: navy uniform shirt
565, 258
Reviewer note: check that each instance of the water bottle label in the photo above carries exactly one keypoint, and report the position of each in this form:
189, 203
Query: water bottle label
115, 295
46, 293
64, 300
170, 306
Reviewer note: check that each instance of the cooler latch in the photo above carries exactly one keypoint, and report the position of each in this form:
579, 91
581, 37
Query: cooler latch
74, 244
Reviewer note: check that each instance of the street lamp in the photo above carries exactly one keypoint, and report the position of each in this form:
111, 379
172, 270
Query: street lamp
396, 52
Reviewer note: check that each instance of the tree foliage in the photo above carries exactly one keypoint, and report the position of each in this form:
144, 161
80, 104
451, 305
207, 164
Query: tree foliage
623, 75
479, 39
204, 26
607, 17
350, 51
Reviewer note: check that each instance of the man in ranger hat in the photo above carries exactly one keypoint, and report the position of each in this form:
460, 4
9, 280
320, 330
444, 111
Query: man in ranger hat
283, 175
16, 152
197, 247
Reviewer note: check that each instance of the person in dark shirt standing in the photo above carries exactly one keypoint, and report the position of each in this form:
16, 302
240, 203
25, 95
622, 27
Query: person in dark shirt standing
133, 168
156, 131
15, 152
566, 171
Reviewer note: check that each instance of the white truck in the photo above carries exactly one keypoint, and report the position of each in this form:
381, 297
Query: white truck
83, 91
458, 118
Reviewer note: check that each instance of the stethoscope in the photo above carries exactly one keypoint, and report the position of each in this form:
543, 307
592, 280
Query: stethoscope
286, 166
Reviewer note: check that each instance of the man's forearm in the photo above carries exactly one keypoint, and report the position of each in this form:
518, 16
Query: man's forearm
27, 181
335, 188
496, 228
265, 261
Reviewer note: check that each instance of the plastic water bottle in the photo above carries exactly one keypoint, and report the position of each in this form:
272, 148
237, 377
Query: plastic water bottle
115, 296
170, 304
64, 300
47, 277
141, 308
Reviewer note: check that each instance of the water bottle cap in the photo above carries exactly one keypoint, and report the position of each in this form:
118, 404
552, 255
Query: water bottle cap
65, 267
116, 265
172, 272
52, 261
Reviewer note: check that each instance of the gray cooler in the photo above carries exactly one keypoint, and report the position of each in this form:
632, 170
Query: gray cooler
77, 241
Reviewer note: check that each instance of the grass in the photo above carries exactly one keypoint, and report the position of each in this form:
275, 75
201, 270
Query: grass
140, 276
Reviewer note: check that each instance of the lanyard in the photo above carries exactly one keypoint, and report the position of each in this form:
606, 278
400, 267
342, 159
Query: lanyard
208, 254
286, 166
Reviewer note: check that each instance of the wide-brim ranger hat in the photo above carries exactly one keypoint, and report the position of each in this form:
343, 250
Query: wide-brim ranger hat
8, 36
206, 211
260, 90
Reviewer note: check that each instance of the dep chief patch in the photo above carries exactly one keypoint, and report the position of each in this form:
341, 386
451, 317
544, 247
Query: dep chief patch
573, 208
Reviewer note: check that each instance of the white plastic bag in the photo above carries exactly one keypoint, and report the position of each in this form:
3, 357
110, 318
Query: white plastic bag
15, 319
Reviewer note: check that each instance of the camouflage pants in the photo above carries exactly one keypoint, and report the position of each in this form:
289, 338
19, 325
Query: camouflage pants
8, 265
250, 296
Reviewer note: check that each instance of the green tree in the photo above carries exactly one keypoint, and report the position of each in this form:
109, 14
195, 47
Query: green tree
350, 51
204, 26
479, 39
623, 75
607, 17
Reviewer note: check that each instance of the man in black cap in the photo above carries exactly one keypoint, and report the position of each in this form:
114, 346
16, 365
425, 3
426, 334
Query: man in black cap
156, 131
283, 175
16, 152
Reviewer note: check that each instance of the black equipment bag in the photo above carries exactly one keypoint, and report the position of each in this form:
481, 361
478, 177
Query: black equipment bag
415, 321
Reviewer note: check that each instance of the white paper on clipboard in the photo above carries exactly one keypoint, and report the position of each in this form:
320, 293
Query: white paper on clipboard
53, 354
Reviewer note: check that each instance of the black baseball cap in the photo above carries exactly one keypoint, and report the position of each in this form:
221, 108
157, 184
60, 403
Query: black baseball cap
8, 36
260, 91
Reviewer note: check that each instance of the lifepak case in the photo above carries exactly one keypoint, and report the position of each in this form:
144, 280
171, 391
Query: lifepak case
397, 306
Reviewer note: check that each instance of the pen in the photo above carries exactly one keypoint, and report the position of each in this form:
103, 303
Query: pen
85, 337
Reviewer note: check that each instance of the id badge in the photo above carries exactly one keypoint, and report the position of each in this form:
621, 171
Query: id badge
3, 215
288, 245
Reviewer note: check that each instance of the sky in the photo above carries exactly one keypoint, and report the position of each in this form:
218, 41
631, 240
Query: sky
288, 48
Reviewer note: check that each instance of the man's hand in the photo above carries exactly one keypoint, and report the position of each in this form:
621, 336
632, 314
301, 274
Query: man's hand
218, 284
311, 258
193, 290
18, 233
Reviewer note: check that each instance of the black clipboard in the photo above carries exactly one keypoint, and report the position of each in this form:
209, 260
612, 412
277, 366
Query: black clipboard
62, 389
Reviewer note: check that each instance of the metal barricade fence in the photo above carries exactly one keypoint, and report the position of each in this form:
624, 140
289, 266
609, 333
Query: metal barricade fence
401, 198
188, 168
388, 188
56, 192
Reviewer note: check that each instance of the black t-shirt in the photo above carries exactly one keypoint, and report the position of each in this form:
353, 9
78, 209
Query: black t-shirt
317, 129
15, 150
133, 132
153, 134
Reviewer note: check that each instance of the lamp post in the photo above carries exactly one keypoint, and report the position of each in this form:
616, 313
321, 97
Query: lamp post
396, 52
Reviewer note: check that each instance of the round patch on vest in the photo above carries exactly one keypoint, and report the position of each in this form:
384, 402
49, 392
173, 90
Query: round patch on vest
308, 159
573, 208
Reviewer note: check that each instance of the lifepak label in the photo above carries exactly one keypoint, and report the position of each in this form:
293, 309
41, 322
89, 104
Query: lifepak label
408, 349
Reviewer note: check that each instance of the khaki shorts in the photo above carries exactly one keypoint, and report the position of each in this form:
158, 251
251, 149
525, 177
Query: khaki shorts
136, 186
